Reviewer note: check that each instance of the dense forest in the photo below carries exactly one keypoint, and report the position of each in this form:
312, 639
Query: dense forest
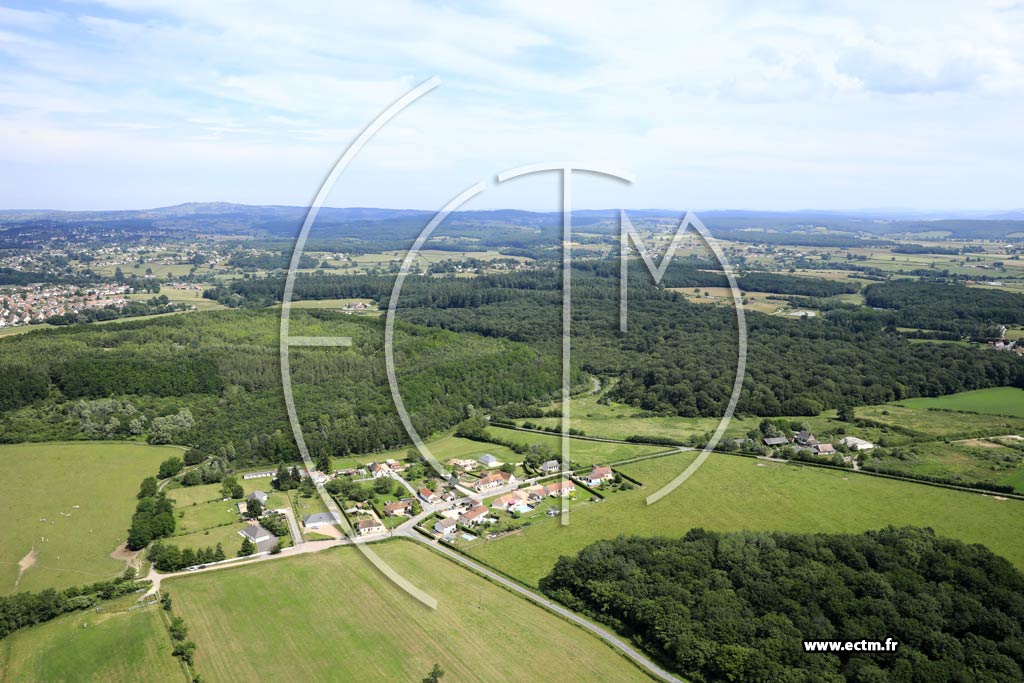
737, 606
679, 358
212, 380
946, 307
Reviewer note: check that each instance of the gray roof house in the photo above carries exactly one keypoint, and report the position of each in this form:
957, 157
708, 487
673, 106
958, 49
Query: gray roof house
487, 460
318, 520
258, 495
805, 438
776, 441
256, 533
549, 467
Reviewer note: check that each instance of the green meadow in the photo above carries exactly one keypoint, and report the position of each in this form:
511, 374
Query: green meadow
106, 647
994, 401
93, 484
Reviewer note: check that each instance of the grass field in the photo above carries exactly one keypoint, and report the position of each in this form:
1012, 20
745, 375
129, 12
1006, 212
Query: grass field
114, 647
995, 401
444, 449
332, 617
42, 480
968, 461
731, 493
205, 515
580, 450
189, 495
227, 536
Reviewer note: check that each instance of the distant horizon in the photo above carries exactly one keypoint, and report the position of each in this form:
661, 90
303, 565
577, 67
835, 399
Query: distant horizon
986, 213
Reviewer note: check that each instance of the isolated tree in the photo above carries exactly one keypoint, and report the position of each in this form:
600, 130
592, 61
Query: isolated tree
846, 413
253, 509
247, 548
435, 674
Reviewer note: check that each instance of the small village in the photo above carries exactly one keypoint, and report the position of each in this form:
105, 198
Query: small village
482, 498
34, 304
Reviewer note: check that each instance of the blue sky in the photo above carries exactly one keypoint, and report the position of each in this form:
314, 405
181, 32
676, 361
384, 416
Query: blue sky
710, 105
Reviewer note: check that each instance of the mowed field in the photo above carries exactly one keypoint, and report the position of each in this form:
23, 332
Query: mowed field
995, 401
332, 617
40, 481
111, 647
731, 493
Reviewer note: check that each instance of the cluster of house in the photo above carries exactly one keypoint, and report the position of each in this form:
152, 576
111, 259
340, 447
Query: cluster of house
34, 304
806, 441
382, 469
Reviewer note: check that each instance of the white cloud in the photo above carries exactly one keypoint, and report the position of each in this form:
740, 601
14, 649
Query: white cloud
855, 104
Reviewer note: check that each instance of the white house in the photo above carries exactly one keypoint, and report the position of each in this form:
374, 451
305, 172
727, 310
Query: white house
379, 469
473, 516
487, 460
369, 526
494, 480
427, 496
601, 474
444, 526
318, 520
401, 507
256, 533
550, 467
560, 489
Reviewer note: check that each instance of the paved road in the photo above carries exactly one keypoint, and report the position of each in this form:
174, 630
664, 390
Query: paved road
293, 524
599, 631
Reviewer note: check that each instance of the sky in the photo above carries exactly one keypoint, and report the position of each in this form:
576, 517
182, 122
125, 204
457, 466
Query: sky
724, 105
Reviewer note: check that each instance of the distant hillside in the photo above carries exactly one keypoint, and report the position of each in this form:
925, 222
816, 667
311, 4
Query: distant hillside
403, 225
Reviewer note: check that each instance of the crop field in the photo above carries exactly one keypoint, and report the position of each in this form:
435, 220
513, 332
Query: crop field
995, 401
107, 647
730, 493
79, 497
332, 617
